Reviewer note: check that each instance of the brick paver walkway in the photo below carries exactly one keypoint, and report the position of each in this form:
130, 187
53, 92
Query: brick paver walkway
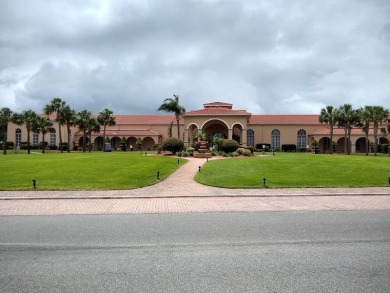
180, 193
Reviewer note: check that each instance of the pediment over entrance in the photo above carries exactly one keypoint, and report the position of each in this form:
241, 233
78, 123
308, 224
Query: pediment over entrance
217, 108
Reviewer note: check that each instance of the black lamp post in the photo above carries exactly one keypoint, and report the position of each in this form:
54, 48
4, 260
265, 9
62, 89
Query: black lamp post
34, 182
264, 181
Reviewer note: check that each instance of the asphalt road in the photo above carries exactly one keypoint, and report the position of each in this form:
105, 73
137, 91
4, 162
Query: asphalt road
326, 251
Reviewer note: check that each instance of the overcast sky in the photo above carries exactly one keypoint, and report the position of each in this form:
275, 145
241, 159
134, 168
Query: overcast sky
268, 57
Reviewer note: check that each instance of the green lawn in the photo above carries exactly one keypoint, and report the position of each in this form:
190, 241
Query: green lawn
297, 170
83, 171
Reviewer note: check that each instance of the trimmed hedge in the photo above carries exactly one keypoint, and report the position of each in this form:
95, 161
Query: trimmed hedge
172, 144
228, 145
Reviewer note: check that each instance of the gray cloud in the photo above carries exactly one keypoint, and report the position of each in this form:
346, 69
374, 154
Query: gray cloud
266, 57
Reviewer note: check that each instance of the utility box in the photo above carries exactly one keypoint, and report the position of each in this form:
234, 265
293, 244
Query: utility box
107, 147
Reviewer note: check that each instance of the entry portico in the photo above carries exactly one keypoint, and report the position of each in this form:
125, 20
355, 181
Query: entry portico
217, 119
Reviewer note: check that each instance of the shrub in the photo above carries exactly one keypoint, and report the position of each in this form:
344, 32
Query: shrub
40, 144
172, 144
240, 151
263, 146
229, 145
289, 147
246, 153
190, 151
64, 146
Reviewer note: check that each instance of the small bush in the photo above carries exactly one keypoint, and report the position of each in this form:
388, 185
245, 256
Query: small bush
289, 147
229, 145
246, 153
190, 151
172, 144
240, 151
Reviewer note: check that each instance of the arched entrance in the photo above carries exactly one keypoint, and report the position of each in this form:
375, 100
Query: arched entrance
216, 128
98, 143
361, 145
148, 143
324, 145
237, 133
131, 143
115, 143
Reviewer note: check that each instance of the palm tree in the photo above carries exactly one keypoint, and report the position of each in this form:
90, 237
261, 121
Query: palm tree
5, 118
105, 118
82, 121
366, 118
379, 115
173, 106
68, 118
56, 106
347, 119
386, 133
29, 119
93, 126
329, 115
43, 125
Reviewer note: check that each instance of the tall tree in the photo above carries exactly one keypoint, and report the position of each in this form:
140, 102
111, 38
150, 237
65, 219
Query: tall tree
386, 133
366, 118
5, 118
329, 115
173, 106
82, 121
68, 118
43, 125
347, 119
379, 115
29, 119
93, 126
56, 106
106, 118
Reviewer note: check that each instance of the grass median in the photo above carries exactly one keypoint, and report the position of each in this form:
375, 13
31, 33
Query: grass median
297, 170
83, 171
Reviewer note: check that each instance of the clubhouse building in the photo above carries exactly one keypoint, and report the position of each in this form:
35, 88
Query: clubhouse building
216, 119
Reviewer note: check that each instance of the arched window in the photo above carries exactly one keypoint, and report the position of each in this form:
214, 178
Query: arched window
18, 137
52, 136
301, 139
250, 137
35, 138
275, 139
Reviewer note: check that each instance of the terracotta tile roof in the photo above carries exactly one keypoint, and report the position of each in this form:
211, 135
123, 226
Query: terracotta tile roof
340, 131
125, 132
146, 119
216, 111
284, 119
218, 105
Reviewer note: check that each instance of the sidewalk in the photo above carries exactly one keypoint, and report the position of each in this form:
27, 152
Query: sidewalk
181, 184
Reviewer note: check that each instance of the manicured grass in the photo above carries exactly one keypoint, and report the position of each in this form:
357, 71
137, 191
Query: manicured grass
83, 171
297, 170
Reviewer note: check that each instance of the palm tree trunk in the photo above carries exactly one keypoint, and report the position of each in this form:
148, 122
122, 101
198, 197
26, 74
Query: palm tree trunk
104, 137
178, 129
43, 143
28, 141
84, 140
349, 141
331, 140
367, 143
376, 138
345, 141
59, 133
5, 140
69, 134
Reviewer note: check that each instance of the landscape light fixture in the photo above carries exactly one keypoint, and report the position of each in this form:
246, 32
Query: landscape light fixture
158, 175
264, 181
34, 183
199, 168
